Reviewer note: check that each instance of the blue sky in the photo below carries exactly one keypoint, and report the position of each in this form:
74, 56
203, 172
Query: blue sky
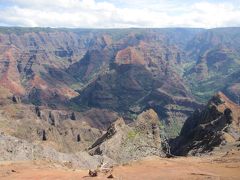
120, 13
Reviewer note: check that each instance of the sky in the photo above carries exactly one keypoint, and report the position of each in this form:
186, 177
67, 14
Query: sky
120, 13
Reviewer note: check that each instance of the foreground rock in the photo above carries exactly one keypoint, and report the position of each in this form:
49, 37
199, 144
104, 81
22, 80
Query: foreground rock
217, 125
123, 143
14, 149
64, 130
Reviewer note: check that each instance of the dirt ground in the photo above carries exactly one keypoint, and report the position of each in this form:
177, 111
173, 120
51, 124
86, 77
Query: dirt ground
226, 166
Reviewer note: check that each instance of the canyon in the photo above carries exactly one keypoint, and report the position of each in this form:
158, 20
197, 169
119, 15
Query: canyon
88, 98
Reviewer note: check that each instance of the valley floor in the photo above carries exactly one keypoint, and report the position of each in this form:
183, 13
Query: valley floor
224, 166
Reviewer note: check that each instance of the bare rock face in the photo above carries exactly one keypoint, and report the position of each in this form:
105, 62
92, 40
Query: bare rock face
218, 124
123, 143
111, 141
148, 123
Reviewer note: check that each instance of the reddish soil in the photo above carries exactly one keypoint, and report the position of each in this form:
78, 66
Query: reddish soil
129, 56
153, 168
11, 78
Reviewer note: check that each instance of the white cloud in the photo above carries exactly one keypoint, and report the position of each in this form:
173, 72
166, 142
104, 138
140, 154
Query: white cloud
112, 14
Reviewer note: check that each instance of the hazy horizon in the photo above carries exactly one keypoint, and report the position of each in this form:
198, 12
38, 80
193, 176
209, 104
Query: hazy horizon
110, 28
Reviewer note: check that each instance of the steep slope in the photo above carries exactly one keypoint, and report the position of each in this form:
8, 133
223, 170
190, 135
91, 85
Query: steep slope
32, 59
217, 57
123, 143
217, 125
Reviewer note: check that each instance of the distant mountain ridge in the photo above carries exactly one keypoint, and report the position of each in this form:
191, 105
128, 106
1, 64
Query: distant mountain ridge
171, 70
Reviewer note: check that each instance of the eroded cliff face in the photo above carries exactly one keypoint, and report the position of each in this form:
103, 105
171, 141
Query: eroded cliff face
125, 71
33, 64
217, 125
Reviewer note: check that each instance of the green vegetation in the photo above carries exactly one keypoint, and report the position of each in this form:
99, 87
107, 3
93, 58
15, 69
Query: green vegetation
132, 134
219, 76
203, 90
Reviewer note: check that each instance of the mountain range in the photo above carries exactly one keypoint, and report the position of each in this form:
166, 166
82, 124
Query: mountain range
123, 71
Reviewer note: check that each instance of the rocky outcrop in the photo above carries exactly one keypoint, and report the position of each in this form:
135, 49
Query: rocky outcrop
123, 143
218, 124
52, 128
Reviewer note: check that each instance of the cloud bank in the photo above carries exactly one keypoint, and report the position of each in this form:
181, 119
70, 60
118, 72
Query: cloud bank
119, 14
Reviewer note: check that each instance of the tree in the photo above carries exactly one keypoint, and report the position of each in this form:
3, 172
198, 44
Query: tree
44, 138
78, 138
37, 110
73, 117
